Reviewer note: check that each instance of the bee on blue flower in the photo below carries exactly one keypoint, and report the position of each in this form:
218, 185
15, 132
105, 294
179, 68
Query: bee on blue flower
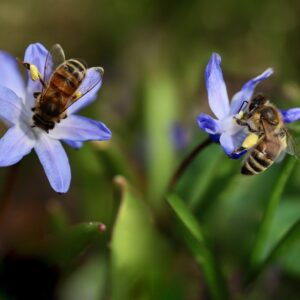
226, 129
34, 123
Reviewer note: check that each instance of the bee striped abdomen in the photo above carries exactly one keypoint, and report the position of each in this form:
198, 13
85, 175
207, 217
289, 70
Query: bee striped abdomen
67, 77
257, 162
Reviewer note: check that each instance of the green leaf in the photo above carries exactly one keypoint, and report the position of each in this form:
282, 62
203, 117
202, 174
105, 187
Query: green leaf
137, 252
64, 248
260, 249
199, 248
86, 282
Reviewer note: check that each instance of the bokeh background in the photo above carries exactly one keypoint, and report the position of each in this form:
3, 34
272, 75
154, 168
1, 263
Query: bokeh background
154, 54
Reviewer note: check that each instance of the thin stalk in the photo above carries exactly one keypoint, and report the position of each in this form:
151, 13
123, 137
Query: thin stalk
186, 162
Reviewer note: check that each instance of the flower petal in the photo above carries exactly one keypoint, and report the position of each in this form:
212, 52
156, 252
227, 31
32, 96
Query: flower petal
245, 94
290, 115
93, 81
216, 88
12, 109
77, 128
208, 124
10, 75
16, 143
55, 162
35, 54
231, 142
73, 144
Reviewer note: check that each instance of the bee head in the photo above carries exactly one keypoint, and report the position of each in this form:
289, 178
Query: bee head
256, 102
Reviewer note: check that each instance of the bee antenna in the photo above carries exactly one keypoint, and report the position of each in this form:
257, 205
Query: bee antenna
243, 104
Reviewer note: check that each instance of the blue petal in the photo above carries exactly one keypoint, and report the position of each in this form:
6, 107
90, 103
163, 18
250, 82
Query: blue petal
290, 115
35, 54
16, 143
208, 124
77, 128
74, 144
216, 88
245, 94
55, 162
231, 142
10, 75
92, 76
12, 109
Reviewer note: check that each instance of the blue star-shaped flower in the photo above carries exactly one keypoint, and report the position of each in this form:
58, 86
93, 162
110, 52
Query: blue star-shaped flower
17, 100
225, 129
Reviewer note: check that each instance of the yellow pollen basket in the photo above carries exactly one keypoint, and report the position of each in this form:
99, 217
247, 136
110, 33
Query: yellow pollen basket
34, 72
250, 141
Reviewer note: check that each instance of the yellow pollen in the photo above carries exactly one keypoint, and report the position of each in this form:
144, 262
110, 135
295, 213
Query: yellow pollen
34, 72
250, 141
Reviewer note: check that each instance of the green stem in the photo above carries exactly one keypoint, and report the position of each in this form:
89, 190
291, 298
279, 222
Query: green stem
186, 162
197, 244
259, 249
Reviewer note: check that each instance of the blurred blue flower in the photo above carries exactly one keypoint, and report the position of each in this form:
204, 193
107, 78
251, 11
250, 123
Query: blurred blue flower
17, 100
224, 129
291, 115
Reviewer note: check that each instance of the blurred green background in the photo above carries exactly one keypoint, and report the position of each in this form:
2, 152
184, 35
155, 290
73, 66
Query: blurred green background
154, 54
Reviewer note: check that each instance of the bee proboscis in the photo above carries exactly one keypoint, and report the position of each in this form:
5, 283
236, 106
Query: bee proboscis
268, 138
63, 83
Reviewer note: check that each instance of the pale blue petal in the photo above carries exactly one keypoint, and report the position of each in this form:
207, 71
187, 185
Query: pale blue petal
231, 142
35, 54
16, 143
245, 94
10, 75
55, 162
77, 128
92, 76
208, 124
74, 144
12, 109
216, 88
290, 115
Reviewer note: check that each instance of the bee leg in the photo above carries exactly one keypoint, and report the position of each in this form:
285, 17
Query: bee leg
36, 94
238, 150
65, 116
33, 71
245, 124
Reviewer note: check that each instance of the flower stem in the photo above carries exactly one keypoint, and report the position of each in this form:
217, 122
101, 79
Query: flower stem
9, 187
186, 162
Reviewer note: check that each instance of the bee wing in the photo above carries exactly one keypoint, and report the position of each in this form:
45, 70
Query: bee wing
92, 78
292, 147
54, 58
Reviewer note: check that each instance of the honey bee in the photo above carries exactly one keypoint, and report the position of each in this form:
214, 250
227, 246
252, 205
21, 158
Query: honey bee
268, 138
63, 83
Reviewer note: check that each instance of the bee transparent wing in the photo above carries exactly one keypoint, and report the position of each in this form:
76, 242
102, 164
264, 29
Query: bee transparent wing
292, 147
92, 79
54, 58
